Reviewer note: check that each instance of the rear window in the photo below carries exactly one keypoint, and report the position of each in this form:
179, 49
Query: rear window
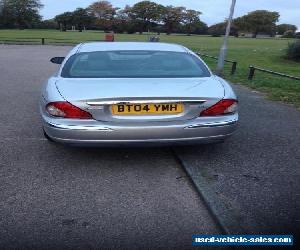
134, 64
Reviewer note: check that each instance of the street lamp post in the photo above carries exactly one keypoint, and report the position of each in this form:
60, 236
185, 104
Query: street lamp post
223, 49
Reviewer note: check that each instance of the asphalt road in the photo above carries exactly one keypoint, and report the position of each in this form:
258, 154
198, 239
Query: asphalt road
255, 175
53, 196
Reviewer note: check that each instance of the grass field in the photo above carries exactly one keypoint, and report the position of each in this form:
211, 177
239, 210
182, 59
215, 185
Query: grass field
265, 53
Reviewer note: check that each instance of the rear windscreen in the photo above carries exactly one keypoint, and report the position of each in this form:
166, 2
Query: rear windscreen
134, 64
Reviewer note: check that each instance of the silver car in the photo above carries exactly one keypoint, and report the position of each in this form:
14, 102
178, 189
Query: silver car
123, 93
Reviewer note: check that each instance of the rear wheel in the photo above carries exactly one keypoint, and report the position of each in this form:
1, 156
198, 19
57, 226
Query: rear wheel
47, 136
219, 141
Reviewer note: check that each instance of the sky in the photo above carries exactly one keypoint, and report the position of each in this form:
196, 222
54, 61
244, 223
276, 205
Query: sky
214, 11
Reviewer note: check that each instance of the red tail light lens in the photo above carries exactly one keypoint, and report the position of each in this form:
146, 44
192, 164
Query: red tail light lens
223, 107
67, 110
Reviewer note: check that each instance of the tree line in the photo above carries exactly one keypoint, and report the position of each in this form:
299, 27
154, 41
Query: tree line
141, 17
19, 13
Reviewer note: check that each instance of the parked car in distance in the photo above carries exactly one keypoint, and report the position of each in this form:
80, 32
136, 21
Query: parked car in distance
136, 93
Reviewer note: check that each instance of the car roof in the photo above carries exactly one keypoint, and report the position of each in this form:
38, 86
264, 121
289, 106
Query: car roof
113, 46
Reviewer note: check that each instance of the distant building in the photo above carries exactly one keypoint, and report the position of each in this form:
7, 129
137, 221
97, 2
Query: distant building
259, 35
263, 35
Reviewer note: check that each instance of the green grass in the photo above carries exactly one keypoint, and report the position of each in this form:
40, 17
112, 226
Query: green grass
265, 53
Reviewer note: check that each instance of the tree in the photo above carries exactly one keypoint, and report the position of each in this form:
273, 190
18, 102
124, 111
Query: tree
123, 22
289, 34
4, 14
293, 51
282, 28
258, 21
172, 17
219, 29
196, 27
81, 18
105, 12
145, 13
190, 18
64, 20
20, 13
47, 24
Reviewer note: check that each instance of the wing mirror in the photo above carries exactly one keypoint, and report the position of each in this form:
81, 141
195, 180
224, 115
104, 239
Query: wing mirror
57, 60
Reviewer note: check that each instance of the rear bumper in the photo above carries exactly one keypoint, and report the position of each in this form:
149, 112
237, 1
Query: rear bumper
95, 133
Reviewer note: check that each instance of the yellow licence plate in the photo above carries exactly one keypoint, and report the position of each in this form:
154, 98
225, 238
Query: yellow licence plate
147, 109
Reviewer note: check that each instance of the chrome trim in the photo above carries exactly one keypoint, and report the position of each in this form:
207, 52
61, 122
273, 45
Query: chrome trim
97, 128
187, 139
200, 101
211, 124
79, 127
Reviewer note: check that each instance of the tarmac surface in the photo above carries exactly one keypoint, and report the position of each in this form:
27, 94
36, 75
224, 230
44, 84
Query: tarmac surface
52, 196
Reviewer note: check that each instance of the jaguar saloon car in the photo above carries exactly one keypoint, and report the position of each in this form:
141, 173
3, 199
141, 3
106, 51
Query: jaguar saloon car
136, 93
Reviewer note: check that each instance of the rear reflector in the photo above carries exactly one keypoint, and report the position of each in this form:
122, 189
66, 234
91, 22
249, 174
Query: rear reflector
223, 107
67, 110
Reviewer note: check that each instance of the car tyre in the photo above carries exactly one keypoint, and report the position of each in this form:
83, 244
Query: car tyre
47, 136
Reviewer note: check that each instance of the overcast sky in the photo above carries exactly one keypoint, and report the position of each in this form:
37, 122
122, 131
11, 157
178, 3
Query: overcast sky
214, 11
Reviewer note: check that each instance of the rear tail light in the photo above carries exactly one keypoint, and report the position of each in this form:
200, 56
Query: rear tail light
223, 107
67, 110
